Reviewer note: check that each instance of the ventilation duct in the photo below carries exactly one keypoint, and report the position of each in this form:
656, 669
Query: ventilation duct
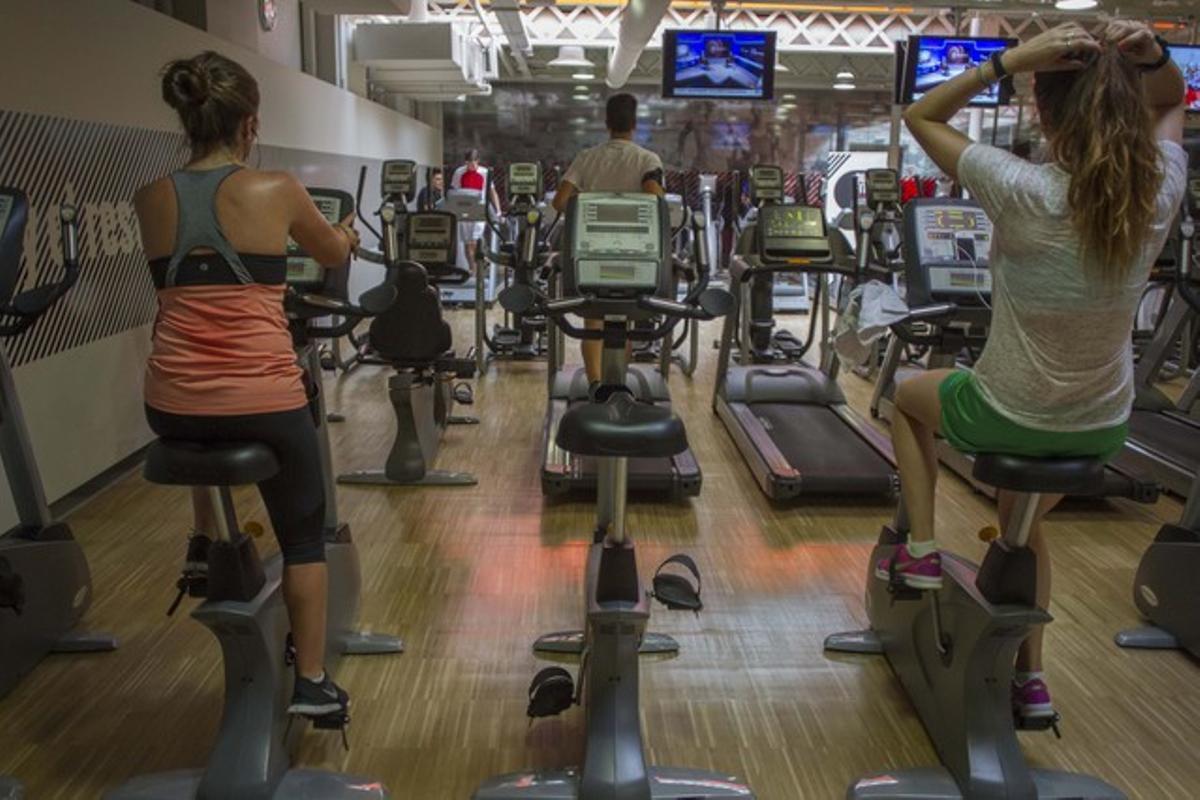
639, 20
424, 60
508, 14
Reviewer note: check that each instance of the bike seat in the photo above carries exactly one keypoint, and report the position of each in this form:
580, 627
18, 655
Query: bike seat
1044, 475
182, 463
621, 426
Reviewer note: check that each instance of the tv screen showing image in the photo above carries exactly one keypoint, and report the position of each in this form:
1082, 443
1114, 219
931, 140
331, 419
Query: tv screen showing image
1188, 59
933, 60
716, 65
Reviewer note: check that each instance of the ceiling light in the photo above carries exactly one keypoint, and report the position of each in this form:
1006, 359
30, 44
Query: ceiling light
1075, 5
846, 75
844, 86
583, 76
789, 97
570, 55
581, 88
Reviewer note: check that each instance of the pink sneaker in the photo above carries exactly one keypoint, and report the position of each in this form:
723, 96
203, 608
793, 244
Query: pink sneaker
917, 573
1031, 699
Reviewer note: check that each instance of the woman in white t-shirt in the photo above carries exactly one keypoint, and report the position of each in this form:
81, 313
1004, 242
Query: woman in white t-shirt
1074, 240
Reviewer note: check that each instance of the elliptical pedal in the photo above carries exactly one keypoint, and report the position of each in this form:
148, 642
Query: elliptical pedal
675, 591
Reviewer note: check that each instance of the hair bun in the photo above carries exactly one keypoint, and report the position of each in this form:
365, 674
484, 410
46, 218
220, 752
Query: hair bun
185, 84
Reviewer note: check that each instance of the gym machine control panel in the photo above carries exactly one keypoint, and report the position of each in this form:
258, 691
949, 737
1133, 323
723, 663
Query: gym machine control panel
947, 251
617, 242
303, 271
766, 184
883, 187
524, 180
791, 233
398, 179
431, 238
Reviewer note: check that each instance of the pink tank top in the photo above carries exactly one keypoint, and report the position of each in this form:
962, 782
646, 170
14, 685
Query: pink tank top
221, 340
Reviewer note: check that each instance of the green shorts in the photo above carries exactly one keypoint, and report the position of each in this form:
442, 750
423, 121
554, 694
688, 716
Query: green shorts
972, 425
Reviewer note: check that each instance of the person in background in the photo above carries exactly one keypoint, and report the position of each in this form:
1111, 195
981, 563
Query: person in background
222, 367
618, 165
1075, 238
431, 195
473, 176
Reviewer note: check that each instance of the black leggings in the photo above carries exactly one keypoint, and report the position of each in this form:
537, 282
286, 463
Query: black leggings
295, 496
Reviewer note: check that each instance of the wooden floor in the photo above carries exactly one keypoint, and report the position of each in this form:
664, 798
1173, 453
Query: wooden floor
470, 576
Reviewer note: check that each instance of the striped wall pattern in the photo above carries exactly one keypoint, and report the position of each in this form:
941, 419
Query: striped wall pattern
96, 167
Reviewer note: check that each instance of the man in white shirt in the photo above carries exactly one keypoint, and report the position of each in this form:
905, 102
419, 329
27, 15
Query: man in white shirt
618, 165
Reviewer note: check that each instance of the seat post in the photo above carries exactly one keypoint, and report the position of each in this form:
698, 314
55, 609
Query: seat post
1020, 523
614, 472
224, 516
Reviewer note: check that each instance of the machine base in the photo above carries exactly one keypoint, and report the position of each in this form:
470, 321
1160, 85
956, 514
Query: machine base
935, 783
297, 784
434, 477
1147, 638
571, 643
866, 642
359, 643
666, 783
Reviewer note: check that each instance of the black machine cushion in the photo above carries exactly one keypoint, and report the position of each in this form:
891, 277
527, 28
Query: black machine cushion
180, 463
412, 330
621, 426
1046, 475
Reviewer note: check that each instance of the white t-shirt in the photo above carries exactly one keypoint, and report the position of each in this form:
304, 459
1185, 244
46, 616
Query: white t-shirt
618, 165
1059, 355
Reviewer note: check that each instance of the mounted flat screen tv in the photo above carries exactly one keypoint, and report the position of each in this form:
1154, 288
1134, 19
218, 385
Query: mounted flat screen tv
933, 60
719, 65
1188, 59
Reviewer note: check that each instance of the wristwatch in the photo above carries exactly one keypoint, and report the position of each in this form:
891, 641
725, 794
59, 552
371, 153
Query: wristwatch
1162, 61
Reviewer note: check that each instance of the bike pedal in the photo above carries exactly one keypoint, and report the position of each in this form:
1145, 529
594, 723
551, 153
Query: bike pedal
551, 692
675, 591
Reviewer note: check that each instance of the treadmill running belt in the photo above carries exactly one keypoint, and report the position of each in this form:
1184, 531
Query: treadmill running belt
1175, 439
831, 458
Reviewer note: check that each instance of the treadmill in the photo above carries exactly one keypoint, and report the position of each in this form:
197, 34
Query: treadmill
676, 476
790, 420
1164, 437
948, 286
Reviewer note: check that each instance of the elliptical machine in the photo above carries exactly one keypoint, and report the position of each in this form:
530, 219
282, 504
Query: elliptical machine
522, 337
616, 267
45, 585
411, 337
1165, 589
244, 608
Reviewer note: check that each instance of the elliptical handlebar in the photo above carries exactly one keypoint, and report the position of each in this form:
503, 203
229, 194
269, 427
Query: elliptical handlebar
28, 306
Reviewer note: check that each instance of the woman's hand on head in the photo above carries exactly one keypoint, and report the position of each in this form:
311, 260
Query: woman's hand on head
1134, 40
1066, 47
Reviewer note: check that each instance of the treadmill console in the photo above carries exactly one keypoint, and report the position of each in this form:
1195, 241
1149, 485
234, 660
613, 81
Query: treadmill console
618, 246
766, 185
304, 272
524, 180
399, 179
431, 238
947, 250
790, 233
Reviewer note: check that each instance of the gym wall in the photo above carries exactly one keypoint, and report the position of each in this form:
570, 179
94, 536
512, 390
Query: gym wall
81, 121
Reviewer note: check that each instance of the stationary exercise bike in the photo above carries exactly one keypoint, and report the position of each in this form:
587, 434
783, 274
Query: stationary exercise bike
243, 599
45, 585
1165, 589
616, 267
411, 337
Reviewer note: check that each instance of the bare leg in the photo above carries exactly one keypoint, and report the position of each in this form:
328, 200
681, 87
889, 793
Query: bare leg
1029, 657
592, 350
914, 423
203, 513
305, 592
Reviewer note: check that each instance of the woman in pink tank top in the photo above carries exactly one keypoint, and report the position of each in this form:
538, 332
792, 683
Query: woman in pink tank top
222, 368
